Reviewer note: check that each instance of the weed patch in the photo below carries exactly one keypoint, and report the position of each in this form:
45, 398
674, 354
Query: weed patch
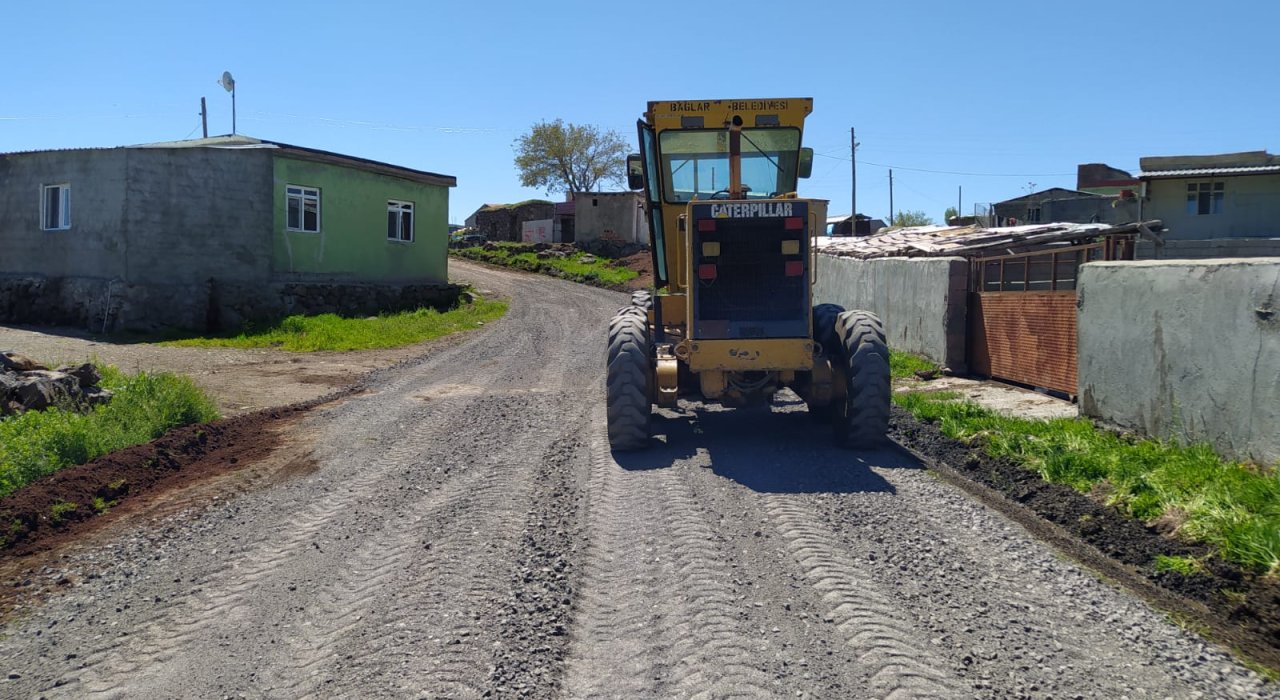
1231, 506
904, 364
60, 510
602, 272
335, 333
146, 406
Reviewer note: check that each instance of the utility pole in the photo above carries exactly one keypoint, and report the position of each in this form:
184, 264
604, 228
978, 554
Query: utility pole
204, 119
853, 161
890, 196
959, 199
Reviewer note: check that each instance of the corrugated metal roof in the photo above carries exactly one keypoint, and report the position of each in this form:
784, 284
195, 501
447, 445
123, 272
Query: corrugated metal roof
1200, 172
936, 241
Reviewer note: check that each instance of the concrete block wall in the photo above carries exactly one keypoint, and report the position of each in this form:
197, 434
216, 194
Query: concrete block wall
1185, 350
1209, 248
197, 213
92, 246
922, 301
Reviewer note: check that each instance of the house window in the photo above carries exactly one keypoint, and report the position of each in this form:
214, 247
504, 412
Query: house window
55, 207
1205, 198
302, 207
399, 221
1033, 214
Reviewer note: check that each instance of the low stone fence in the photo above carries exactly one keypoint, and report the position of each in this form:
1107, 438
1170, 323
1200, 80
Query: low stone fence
922, 301
1185, 350
113, 305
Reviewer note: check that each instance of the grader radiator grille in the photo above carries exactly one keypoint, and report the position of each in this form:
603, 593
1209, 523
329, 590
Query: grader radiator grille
750, 275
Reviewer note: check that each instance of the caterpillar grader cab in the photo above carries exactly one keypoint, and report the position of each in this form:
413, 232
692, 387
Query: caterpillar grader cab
731, 318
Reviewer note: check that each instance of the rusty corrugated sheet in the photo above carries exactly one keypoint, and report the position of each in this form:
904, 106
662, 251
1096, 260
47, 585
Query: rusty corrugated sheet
1025, 337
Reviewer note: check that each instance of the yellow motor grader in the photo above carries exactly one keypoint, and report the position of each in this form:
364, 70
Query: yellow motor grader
731, 319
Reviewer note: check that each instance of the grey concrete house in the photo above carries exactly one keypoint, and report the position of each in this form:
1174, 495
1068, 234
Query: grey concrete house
1213, 206
210, 233
1061, 205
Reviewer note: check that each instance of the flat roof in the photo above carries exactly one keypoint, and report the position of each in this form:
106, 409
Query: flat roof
242, 142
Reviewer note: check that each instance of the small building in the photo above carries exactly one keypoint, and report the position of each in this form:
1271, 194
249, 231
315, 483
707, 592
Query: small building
505, 222
612, 217
1100, 178
211, 233
1062, 205
1214, 206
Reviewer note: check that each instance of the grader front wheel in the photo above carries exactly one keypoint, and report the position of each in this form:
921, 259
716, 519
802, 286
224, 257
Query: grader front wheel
863, 419
628, 381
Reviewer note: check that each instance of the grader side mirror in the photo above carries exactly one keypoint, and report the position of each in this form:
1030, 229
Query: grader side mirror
805, 168
635, 172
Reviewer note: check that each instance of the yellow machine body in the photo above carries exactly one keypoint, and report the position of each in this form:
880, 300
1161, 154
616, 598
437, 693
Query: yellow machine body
733, 248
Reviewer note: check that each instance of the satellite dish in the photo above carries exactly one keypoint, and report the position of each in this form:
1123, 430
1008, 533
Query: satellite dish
228, 83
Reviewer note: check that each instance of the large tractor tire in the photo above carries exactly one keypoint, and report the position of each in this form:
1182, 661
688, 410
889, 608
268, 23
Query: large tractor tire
628, 381
824, 332
863, 419
824, 327
642, 298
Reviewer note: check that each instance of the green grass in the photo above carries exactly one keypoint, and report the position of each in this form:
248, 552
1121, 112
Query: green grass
602, 272
904, 364
332, 332
60, 509
1187, 566
1234, 507
146, 405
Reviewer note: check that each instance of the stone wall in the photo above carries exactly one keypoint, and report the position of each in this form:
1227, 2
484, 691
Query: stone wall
212, 305
1185, 350
922, 301
503, 223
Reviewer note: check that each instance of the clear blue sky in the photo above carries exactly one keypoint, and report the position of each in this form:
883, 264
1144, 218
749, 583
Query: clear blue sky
1008, 93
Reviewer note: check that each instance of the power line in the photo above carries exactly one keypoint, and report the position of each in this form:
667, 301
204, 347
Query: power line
948, 172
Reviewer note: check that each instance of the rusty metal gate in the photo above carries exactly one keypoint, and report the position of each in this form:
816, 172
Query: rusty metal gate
1022, 313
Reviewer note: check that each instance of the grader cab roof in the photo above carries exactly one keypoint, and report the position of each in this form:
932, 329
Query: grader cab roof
709, 114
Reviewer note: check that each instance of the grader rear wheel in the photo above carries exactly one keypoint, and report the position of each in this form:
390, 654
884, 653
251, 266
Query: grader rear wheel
628, 381
863, 419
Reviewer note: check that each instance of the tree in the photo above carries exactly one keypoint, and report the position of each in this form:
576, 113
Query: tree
911, 218
950, 214
570, 157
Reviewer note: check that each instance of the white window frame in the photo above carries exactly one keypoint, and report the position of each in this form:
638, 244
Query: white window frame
64, 207
303, 193
399, 208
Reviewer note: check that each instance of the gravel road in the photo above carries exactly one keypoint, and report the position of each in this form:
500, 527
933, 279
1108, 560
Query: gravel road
463, 531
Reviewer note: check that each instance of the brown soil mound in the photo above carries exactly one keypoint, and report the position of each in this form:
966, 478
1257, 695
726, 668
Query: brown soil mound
642, 263
39, 516
1237, 607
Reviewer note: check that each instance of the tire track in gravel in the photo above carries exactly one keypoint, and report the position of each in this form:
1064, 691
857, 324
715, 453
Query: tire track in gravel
898, 665
237, 587
657, 616
1017, 621
423, 615
371, 566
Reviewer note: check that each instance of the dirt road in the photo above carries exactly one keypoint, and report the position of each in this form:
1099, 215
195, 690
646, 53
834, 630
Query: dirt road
462, 530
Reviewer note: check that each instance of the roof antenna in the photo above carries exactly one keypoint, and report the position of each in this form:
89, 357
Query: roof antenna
229, 84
